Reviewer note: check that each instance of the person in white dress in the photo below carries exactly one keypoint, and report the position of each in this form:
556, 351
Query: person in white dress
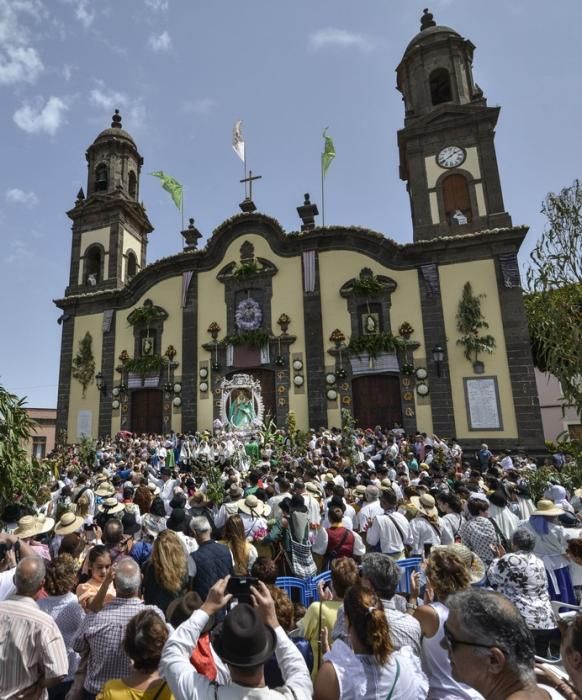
370, 669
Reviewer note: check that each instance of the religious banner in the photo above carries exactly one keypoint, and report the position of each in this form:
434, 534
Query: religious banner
309, 271
186, 279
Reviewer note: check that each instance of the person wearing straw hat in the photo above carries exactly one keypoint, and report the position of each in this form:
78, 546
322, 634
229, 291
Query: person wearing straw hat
550, 546
426, 526
253, 513
29, 527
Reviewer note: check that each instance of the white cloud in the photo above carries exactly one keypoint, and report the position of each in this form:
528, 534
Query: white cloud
19, 61
20, 251
204, 105
39, 118
103, 97
340, 38
157, 5
18, 196
68, 72
163, 42
83, 11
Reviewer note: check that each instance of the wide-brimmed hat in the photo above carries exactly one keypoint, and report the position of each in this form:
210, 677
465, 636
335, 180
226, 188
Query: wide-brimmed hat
313, 489
105, 489
245, 640
100, 478
360, 489
178, 521
547, 508
68, 523
27, 527
154, 489
472, 561
44, 523
427, 505
252, 506
110, 506
235, 492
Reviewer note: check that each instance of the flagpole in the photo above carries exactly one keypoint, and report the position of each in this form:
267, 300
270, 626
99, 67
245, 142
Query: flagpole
322, 196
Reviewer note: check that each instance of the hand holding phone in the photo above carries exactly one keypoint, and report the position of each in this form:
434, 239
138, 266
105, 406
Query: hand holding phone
240, 588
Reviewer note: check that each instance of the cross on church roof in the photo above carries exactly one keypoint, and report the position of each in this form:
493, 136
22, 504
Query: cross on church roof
247, 205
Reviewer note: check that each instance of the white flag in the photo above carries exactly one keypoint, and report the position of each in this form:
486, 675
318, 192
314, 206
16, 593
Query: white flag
237, 141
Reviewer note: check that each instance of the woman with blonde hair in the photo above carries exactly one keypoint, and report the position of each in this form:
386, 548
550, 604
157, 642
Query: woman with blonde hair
82, 509
446, 573
370, 669
244, 554
165, 573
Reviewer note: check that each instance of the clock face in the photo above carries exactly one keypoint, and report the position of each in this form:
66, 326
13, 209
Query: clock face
451, 157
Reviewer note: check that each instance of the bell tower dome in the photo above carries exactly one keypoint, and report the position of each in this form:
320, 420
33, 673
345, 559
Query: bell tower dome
110, 226
447, 151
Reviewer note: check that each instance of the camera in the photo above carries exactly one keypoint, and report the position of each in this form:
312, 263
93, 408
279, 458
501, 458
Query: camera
5, 547
240, 588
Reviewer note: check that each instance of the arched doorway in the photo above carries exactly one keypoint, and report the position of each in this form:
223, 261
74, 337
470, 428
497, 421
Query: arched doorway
146, 411
376, 400
267, 379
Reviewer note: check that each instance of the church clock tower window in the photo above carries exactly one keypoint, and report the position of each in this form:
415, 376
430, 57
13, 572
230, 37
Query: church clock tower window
132, 185
93, 266
101, 178
457, 200
440, 86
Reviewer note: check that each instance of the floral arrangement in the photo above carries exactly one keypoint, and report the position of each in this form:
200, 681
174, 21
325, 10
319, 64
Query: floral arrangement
170, 352
147, 364
123, 357
246, 269
340, 373
214, 329
283, 321
337, 337
405, 330
407, 368
280, 361
367, 286
254, 339
248, 315
259, 534
374, 344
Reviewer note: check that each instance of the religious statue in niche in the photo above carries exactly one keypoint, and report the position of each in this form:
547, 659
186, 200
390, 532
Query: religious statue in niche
147, 346
248, 315
241, 403
371, 323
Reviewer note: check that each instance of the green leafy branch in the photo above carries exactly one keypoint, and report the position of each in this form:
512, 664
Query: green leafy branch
147, 364
254, 339
84, 363
375, 344
470, 321
246, 269
367, 286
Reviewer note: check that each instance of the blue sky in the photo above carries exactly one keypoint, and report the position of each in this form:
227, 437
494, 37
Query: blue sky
182, 71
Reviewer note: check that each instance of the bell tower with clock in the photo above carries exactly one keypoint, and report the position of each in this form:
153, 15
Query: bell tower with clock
447, 150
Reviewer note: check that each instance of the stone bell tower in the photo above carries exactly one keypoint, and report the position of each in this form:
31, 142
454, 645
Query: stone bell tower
110, 226
447, 150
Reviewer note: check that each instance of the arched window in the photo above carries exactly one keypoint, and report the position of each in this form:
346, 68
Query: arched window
131, 265
457, 200
93, 266
440, 86
101, 178
132, 188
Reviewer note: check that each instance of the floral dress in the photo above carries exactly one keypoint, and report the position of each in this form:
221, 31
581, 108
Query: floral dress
521, 577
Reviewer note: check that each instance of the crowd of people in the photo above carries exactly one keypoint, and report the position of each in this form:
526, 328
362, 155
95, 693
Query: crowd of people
151, 570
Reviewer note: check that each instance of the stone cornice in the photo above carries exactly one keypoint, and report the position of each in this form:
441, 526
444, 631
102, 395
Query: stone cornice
392, 255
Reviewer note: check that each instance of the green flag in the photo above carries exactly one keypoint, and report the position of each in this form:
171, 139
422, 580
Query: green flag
171, 185
328, 152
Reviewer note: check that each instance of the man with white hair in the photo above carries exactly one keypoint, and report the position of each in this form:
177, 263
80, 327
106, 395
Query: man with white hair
370, 509
211, 561
33, 656
101, 635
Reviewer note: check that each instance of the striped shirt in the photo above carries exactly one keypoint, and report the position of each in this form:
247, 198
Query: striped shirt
101, 635
31, 647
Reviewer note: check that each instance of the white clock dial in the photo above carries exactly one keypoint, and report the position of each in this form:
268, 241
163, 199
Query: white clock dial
451, 157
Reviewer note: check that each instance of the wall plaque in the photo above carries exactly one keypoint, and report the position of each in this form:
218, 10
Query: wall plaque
482, 402
84, 421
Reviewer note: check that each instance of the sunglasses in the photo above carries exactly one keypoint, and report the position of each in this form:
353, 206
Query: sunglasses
453, 642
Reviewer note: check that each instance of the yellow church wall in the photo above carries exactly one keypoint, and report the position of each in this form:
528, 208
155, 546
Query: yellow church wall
434, 207
471, 165
481, 208
99, 235
337, 267
481, 274
287, 298
92, 324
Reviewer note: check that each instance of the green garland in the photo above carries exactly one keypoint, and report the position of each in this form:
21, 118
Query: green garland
244, 270
367, 287
148, 364
374, 344
254, 339
84, 362
470, 321
144, 315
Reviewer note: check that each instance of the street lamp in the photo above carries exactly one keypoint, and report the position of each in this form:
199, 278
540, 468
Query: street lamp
438, 356
101, 386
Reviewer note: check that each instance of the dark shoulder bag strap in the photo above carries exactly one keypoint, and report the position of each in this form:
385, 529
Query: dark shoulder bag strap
397, 526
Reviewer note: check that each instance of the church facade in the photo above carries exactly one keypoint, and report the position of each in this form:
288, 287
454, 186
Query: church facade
319, 320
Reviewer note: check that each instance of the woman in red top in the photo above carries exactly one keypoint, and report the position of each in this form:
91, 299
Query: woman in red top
336, 540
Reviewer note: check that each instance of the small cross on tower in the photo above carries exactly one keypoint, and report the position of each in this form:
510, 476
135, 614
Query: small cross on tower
247, 205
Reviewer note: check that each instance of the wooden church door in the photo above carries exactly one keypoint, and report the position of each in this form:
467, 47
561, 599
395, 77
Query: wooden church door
377, 400
146, 411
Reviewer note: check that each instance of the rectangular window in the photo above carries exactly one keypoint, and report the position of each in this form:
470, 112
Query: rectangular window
39, 447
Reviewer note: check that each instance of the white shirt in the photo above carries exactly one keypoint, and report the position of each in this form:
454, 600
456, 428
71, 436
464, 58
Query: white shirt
321, 540
384, 531
368, 512
186, 683
7, 586
423, 533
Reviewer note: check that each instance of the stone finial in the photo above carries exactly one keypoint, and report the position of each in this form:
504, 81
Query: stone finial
307, 212
427, 20
80, 195
116, 120
191, 235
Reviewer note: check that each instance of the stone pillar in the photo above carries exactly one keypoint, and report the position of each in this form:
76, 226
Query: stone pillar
108, 370
65, 368
314, 352
189, 359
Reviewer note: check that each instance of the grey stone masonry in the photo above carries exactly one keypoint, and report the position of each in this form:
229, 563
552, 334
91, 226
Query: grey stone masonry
65, 367
314, 352
189, 359
108, 370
